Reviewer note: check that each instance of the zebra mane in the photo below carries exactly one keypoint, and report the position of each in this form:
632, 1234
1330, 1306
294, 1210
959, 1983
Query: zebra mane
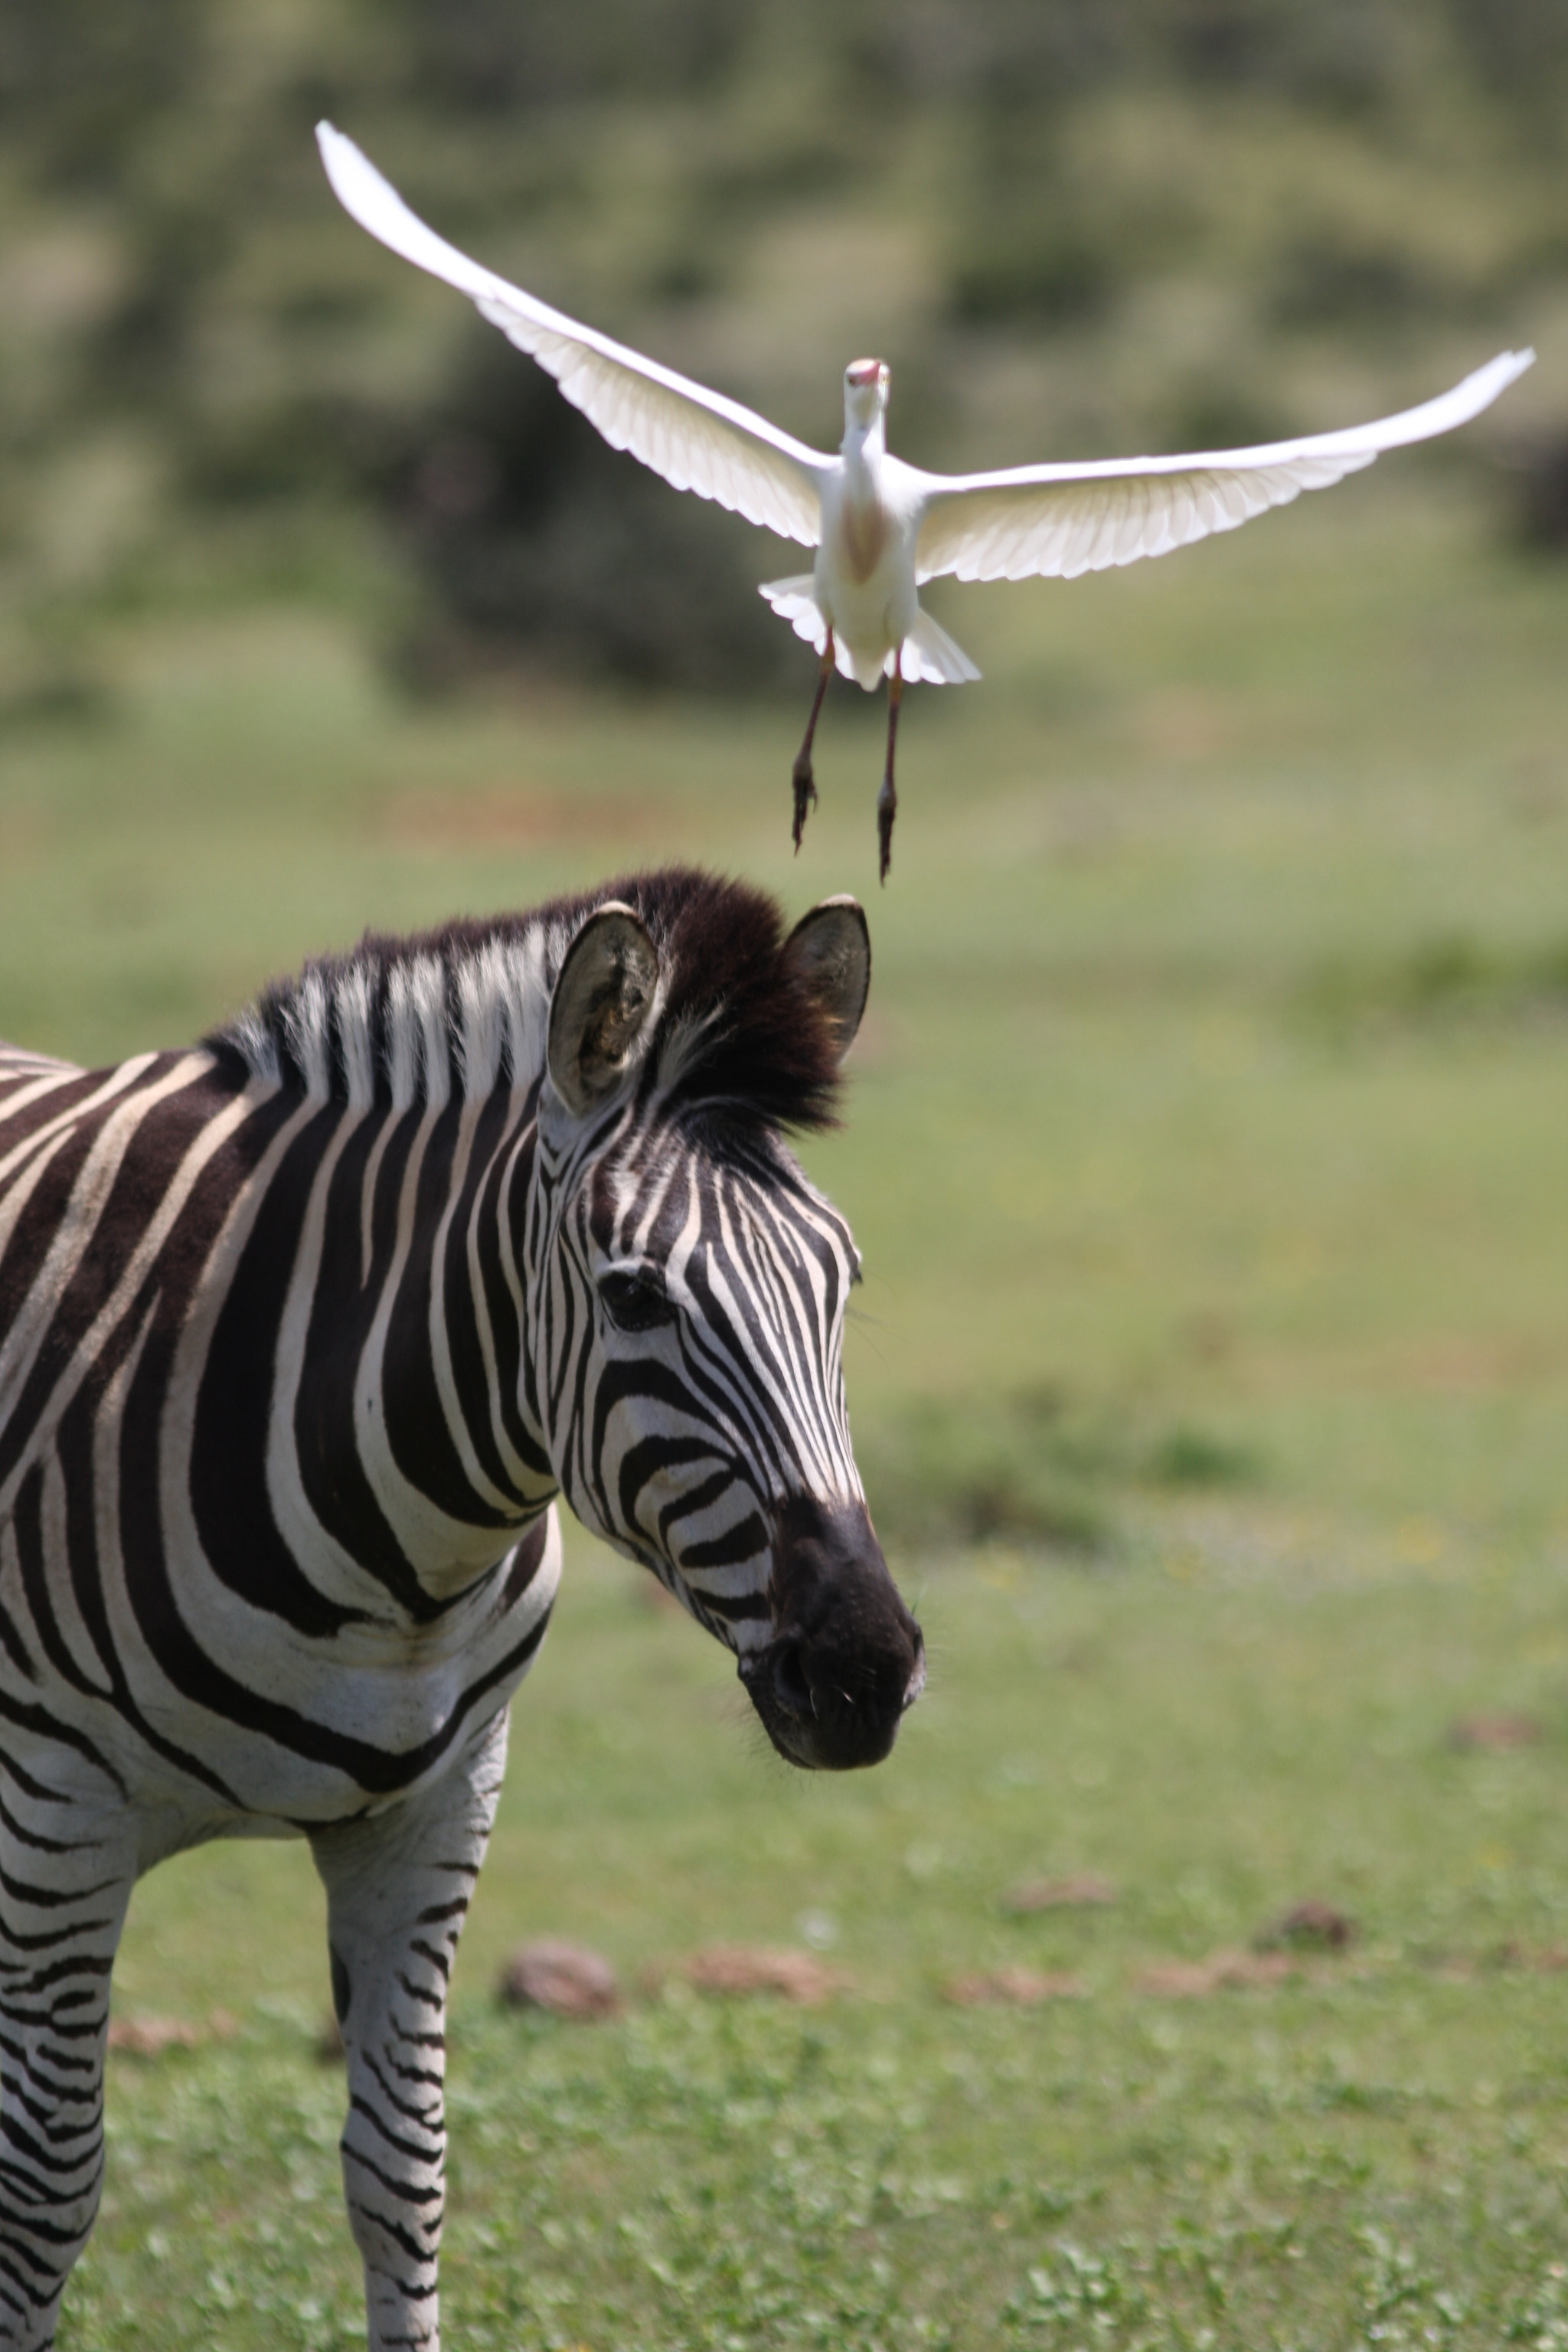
463, 1009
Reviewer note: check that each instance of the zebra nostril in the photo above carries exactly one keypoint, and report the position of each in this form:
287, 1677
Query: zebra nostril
790, 1687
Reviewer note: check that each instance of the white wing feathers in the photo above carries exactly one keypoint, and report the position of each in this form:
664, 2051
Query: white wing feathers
697, 439
1061, 520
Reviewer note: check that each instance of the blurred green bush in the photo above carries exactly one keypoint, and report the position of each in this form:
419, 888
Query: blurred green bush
1038, 1467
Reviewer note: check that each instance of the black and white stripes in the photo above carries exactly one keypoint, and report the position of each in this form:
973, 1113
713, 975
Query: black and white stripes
301, 1332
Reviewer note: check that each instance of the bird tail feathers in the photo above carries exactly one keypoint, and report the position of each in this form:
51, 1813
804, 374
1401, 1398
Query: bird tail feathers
794, 600
929, 653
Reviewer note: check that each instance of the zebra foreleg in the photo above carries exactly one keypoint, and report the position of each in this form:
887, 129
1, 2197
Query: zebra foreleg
398, 1886
66, 1875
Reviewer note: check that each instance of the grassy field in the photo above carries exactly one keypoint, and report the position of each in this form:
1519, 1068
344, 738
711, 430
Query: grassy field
1206, 1150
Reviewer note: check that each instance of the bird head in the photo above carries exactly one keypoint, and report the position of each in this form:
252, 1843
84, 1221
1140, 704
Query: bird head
866, 385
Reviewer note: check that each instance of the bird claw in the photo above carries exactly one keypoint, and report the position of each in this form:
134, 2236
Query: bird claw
886, 810
805, 796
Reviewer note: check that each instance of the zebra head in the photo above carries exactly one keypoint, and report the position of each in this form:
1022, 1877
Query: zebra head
689, 1288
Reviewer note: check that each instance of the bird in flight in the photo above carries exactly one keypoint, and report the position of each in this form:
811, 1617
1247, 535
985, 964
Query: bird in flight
881, 528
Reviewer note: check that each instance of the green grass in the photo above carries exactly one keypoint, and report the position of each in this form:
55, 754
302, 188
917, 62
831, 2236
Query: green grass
1206, 1148
1226, 1722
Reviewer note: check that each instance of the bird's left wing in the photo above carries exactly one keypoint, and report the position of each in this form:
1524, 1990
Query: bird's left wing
697, 439
1061, 520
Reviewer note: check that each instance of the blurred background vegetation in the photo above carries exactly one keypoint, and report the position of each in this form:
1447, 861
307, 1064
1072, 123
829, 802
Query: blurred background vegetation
1206, 1142
319, 605
1074, 226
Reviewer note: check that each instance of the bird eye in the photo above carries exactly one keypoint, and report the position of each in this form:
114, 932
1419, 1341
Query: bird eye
636, 1302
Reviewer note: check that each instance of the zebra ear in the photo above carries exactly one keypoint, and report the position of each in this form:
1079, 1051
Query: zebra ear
830, 952
603, 1000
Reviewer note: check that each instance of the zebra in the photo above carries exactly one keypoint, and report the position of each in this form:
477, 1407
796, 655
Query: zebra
302, 1332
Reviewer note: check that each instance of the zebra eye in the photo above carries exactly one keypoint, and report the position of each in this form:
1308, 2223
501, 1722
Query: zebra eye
636, 1302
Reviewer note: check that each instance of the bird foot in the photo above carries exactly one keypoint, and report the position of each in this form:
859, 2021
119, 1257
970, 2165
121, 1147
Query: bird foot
804, 796
886, 810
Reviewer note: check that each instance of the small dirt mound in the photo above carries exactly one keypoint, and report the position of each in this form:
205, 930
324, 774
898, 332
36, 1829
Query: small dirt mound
1081, 1891
1309, 1926
1494, 1731
1023, 1988
730, 1969
1222, 1971
567, 1979
149, 2037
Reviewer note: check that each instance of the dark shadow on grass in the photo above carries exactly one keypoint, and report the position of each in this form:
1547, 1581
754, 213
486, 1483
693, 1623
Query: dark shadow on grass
1035, 1467
1446, 981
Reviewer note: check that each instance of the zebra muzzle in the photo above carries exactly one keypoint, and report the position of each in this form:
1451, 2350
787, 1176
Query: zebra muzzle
846, 1659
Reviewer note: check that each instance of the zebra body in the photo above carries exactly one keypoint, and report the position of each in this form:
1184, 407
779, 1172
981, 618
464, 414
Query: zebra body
301, 1333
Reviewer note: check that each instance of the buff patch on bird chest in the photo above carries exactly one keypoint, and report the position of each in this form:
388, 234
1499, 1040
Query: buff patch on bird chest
865, 536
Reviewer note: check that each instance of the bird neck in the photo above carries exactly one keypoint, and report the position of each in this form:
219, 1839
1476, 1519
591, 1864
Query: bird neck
864, 445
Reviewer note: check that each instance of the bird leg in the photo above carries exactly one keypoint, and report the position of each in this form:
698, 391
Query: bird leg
804, 781
888, 798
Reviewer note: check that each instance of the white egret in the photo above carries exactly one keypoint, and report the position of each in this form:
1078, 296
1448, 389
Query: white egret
879, 527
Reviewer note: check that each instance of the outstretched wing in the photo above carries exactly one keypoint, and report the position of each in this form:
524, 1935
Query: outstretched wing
1065, 519
697, 439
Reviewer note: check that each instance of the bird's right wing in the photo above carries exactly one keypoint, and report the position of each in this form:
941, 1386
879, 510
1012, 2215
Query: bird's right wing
1061, 520
697, 439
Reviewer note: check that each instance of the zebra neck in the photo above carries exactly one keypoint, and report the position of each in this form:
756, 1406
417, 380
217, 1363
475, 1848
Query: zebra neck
402, 1388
